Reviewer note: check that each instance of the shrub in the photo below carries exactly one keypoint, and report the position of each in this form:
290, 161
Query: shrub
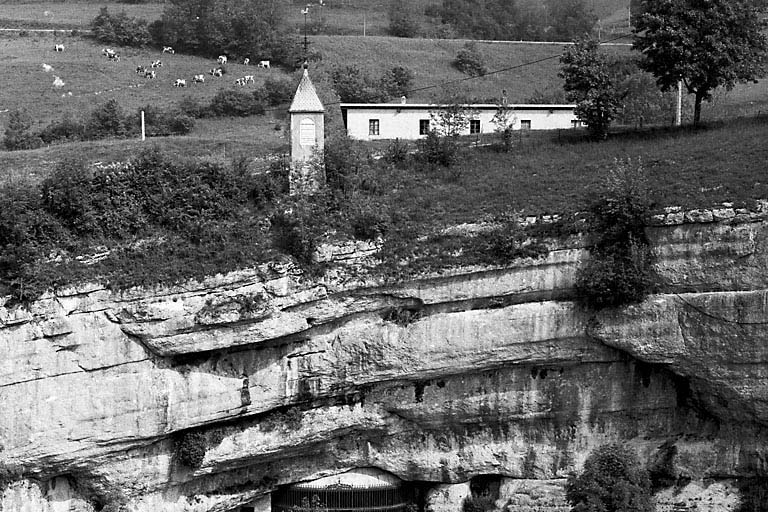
106, 120
353, 85
397, 81
276, 91
17, 132
437, 150
369, 221
396, 152
619, 269
612, 481
298, 229
67, 129
190, 449
165, 122
66, 194
230, 102
191, 107
120, 29
347, 166
470, 61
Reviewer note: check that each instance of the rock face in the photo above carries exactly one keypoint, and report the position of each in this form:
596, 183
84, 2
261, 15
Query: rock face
493, 373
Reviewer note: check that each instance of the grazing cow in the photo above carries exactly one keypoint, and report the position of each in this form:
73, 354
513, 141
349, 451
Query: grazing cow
216, 72
222, 59
198, 78
248, 78
47, 68
140, 70
157, 64
246, 61
149, 73
108, 51
58, 48
240, 82
114, 56
263, 64
58, 82
180, 82
168, 49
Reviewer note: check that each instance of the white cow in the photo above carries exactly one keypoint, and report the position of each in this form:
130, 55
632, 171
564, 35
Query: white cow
157, 64
149, 73
168, 49
109, 52
248, 78
216, 72
180, 82
263, 64
222, 59
58, 82
246, 61
140, 70
240, 82
114, 56
58, 47
198, 78
47, 68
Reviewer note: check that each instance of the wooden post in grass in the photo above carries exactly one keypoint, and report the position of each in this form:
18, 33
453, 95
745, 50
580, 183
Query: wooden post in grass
307, 172
143, 132
679, 110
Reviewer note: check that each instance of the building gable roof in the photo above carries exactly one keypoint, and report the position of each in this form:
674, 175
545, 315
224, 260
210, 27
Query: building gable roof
306, 99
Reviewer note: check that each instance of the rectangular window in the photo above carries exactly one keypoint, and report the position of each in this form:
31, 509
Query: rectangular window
423, 126
474, 126
373, 127
525, 124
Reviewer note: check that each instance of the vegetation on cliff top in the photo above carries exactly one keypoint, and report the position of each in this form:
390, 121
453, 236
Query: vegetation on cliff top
163, 218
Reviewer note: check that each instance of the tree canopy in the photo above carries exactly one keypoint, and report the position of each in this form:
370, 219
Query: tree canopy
612, 481
518, 19
705, 43
589, 83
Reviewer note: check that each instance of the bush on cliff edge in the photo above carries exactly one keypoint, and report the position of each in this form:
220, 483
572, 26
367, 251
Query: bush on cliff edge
612, 481
618, 271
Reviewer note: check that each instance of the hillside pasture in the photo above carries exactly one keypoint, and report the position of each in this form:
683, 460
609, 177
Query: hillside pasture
68, 15
90, 78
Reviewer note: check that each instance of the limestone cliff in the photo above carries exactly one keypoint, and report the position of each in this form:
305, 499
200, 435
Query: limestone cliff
492, 371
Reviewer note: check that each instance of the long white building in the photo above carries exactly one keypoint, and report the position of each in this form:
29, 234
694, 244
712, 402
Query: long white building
374, 121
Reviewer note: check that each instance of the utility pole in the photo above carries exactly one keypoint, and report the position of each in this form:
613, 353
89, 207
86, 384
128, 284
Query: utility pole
679, 110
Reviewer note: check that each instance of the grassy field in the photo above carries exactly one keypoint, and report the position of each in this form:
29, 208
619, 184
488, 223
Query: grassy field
67, 15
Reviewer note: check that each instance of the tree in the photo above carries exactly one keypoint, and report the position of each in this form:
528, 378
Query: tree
570, 19
612, 481
470, 61
17, 132
704, 43
503, 121
588, 83
401, 19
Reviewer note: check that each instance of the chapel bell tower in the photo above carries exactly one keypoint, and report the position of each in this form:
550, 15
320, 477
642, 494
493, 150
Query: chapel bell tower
307, 173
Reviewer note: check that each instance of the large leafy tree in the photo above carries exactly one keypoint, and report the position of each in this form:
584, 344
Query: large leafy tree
705, 43
589, 83
612, 481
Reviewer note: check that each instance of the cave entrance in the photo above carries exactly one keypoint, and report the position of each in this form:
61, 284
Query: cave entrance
359, 490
